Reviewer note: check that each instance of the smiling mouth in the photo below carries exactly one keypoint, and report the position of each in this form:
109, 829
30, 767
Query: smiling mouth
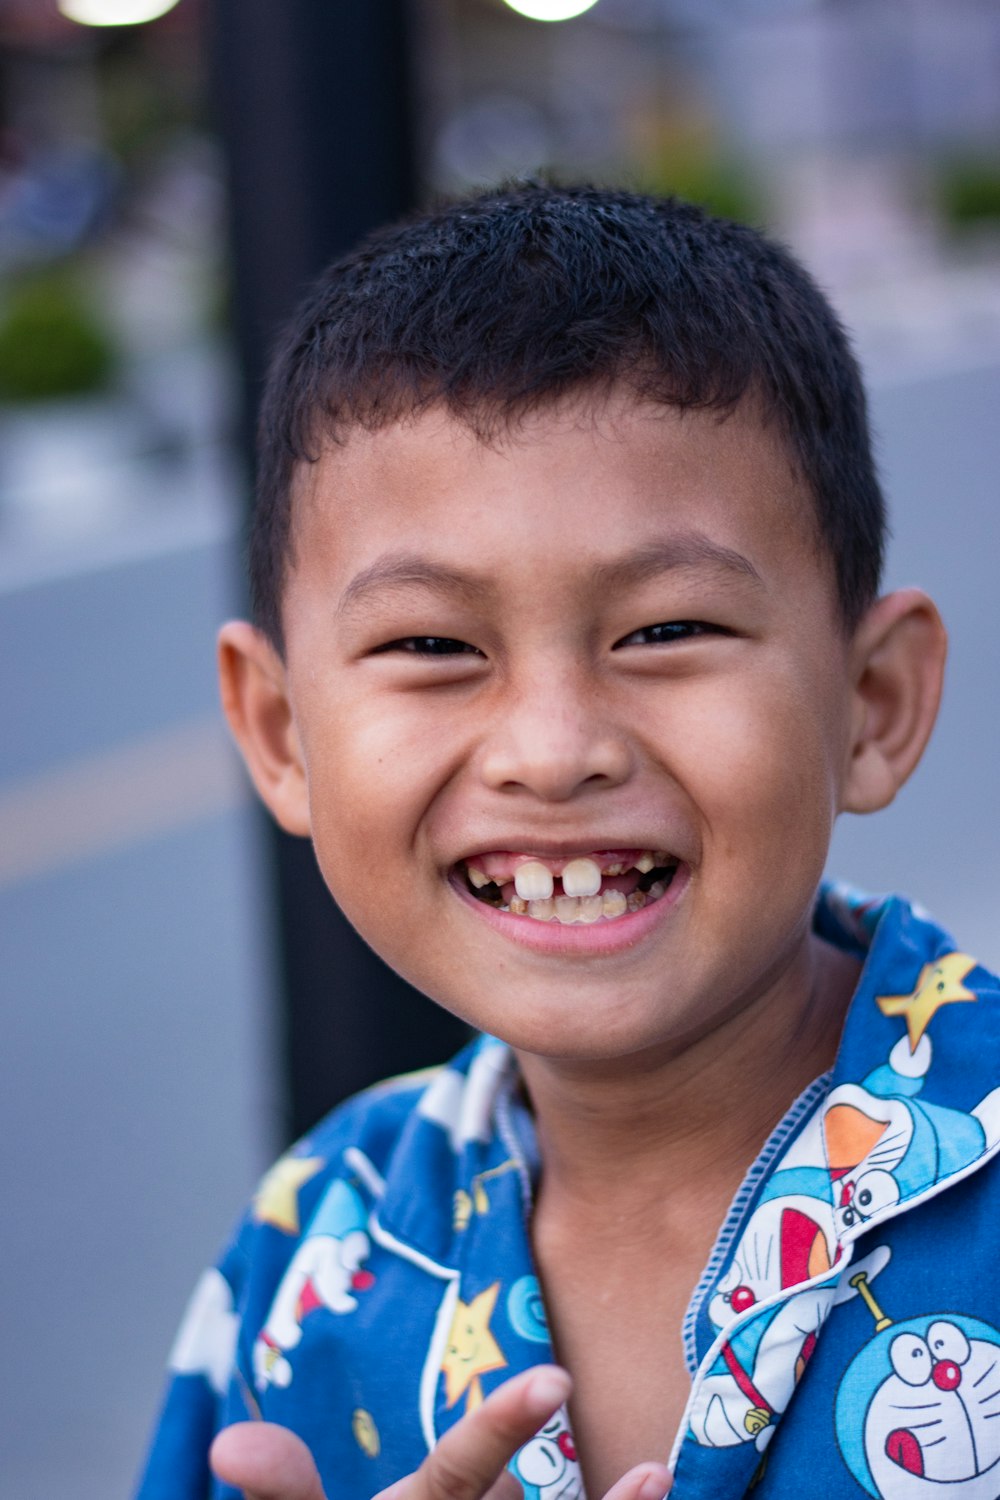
596, 887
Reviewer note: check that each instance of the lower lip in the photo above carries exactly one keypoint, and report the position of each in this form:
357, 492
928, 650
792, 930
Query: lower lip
583, 939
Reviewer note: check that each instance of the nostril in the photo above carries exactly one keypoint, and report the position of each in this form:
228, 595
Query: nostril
946, 1375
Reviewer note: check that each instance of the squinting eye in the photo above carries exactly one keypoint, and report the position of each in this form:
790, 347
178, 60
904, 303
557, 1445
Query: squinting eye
665, 632
429, 645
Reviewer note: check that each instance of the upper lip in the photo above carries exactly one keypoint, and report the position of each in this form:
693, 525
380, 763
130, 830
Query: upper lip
562, 849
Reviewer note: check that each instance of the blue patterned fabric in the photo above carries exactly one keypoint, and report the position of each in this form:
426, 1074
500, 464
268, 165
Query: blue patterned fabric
844, 1339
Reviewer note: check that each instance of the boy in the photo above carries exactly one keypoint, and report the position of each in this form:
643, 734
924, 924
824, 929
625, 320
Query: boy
567, 653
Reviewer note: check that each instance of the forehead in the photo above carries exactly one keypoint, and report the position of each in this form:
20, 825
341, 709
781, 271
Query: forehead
574, 485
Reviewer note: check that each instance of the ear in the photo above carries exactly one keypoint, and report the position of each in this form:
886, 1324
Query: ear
898, 654
253, 684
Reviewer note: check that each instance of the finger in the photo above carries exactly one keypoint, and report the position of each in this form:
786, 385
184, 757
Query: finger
644, 1482
470, 1459
266, 1462
505, 1488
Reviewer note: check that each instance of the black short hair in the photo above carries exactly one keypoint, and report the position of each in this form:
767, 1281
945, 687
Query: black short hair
493, 305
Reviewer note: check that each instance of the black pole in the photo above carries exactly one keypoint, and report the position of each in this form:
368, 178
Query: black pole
313, 100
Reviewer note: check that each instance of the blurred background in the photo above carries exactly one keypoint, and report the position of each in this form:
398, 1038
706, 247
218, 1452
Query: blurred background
178, 996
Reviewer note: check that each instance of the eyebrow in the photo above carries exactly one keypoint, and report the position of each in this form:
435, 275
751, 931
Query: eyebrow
688, 550
408, 570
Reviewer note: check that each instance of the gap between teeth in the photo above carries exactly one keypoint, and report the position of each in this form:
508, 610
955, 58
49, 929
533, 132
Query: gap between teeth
581, 878
581, 898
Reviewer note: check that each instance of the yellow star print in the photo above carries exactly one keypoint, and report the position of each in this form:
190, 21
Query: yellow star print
472, 1349
940, 983
276, 1200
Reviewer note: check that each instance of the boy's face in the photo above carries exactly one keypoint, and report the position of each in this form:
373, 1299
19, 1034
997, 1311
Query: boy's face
613, 634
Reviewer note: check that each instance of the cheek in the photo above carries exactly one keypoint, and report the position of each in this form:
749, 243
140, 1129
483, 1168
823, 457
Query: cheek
765, 790
374, 772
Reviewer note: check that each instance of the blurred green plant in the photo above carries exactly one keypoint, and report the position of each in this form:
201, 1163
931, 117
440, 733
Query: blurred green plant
719, 185
968, 191
681, 155
52, 343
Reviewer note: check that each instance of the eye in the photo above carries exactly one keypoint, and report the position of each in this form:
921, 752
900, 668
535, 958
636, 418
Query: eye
428, 645
910, 1358
874, 1191
666, 632
946, 1341
540, 1462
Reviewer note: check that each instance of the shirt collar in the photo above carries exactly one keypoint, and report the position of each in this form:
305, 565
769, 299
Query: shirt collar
921, 1044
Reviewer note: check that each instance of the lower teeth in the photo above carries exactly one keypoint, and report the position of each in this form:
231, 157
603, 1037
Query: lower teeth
569, 910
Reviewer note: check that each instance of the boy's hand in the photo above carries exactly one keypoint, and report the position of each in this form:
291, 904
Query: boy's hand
469, 1463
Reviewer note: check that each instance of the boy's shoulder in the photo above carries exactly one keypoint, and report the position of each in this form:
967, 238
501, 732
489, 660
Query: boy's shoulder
396, 1169
398, 1152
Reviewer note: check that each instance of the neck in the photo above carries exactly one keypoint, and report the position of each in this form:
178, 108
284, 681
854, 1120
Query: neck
699, 1113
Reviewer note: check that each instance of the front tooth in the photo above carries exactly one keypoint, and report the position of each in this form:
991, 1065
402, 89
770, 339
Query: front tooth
581, 877
644, 863
533, 881
476, 877
613, 903
591, 909
541, 910
567, 908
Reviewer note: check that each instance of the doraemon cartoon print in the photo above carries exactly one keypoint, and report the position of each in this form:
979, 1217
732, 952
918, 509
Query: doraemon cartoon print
874, 1146
885, 1146
789, 1239
547, 1466
325, 1271
918, 1410
758, 1366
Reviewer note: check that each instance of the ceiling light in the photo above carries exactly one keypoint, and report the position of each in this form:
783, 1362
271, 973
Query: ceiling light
114, 12
551, 10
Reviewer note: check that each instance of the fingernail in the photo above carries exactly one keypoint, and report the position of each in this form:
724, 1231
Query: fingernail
550, 1386
655, 1485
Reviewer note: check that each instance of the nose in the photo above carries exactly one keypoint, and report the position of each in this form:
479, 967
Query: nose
566, 1446
946, 1375
554, 738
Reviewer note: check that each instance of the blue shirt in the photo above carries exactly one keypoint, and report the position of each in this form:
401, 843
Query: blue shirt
843, 1340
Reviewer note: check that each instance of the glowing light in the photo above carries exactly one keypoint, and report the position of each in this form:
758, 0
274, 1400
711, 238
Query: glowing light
551, 10
114, 12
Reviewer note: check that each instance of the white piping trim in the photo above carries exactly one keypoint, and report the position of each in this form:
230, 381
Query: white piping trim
893, 1212
442, 1323
407, 1252
435, 1358
362, 1167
